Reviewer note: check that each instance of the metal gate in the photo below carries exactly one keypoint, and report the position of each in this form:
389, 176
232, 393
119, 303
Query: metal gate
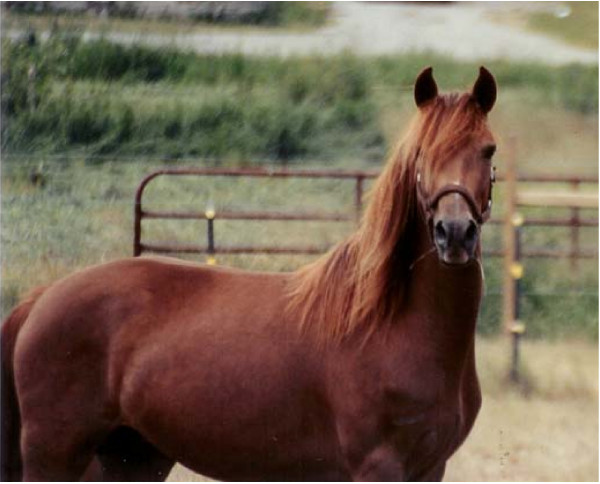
211, 216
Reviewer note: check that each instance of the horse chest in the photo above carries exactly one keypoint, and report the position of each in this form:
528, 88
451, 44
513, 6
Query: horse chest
427, 418
426, 438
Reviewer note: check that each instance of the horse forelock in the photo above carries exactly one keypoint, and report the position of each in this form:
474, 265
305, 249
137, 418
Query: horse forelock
359, 284
445, 128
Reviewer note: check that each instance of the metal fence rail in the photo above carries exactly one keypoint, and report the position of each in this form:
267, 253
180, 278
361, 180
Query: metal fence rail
575, 221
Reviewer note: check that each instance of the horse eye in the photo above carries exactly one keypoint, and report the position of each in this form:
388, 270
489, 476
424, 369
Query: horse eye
488, 152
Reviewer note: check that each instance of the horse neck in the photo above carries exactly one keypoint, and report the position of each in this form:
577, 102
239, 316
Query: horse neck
443, 302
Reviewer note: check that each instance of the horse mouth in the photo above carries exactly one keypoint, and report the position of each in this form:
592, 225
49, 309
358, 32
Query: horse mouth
454, 257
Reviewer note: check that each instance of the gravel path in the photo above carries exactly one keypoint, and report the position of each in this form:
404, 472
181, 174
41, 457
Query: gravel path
463, 30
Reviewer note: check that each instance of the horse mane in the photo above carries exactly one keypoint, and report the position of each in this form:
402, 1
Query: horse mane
359, 284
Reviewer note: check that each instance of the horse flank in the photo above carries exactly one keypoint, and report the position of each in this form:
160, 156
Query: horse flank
374, 261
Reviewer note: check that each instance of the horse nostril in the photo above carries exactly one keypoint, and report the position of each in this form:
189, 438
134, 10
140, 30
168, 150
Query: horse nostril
471, 232
441, 236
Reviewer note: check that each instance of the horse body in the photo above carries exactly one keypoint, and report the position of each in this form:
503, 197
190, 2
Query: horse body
134, 378
360, 366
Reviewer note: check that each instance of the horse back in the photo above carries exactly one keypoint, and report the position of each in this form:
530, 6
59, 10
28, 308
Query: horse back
119, 307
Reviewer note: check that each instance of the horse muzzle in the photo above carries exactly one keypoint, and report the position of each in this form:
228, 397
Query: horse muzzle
455, 239
454, 222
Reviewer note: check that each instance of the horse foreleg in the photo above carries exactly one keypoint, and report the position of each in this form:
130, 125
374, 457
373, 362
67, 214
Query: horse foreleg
436, 474
49, 456
126, 456
383, 464
380, 464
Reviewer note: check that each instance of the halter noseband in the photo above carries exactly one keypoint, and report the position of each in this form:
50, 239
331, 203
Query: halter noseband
430, 203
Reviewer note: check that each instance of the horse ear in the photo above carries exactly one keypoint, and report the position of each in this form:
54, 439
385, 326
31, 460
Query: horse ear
484, 90
425, 87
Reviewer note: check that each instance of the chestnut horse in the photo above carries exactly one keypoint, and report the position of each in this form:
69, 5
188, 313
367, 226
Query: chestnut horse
359, 366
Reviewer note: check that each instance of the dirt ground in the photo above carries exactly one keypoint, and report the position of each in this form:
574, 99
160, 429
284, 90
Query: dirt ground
462, 30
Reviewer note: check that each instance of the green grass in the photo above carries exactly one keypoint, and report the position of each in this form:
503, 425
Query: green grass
580, 28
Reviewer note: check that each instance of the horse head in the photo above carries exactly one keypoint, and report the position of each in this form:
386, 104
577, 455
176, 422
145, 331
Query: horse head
454, 171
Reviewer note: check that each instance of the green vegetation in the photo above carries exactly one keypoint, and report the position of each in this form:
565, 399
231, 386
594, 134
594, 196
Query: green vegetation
580, 27
234, 107
105, 99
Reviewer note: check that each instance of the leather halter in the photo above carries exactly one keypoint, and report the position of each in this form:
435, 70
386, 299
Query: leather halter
430, 203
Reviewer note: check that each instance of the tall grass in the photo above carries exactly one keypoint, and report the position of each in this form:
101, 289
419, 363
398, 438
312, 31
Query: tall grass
238, 111
235, 107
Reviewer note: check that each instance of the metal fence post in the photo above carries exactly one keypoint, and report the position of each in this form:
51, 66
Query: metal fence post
513, 269
358, 196
517, 327
210, 220
510, 203
574, 231
137, 228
